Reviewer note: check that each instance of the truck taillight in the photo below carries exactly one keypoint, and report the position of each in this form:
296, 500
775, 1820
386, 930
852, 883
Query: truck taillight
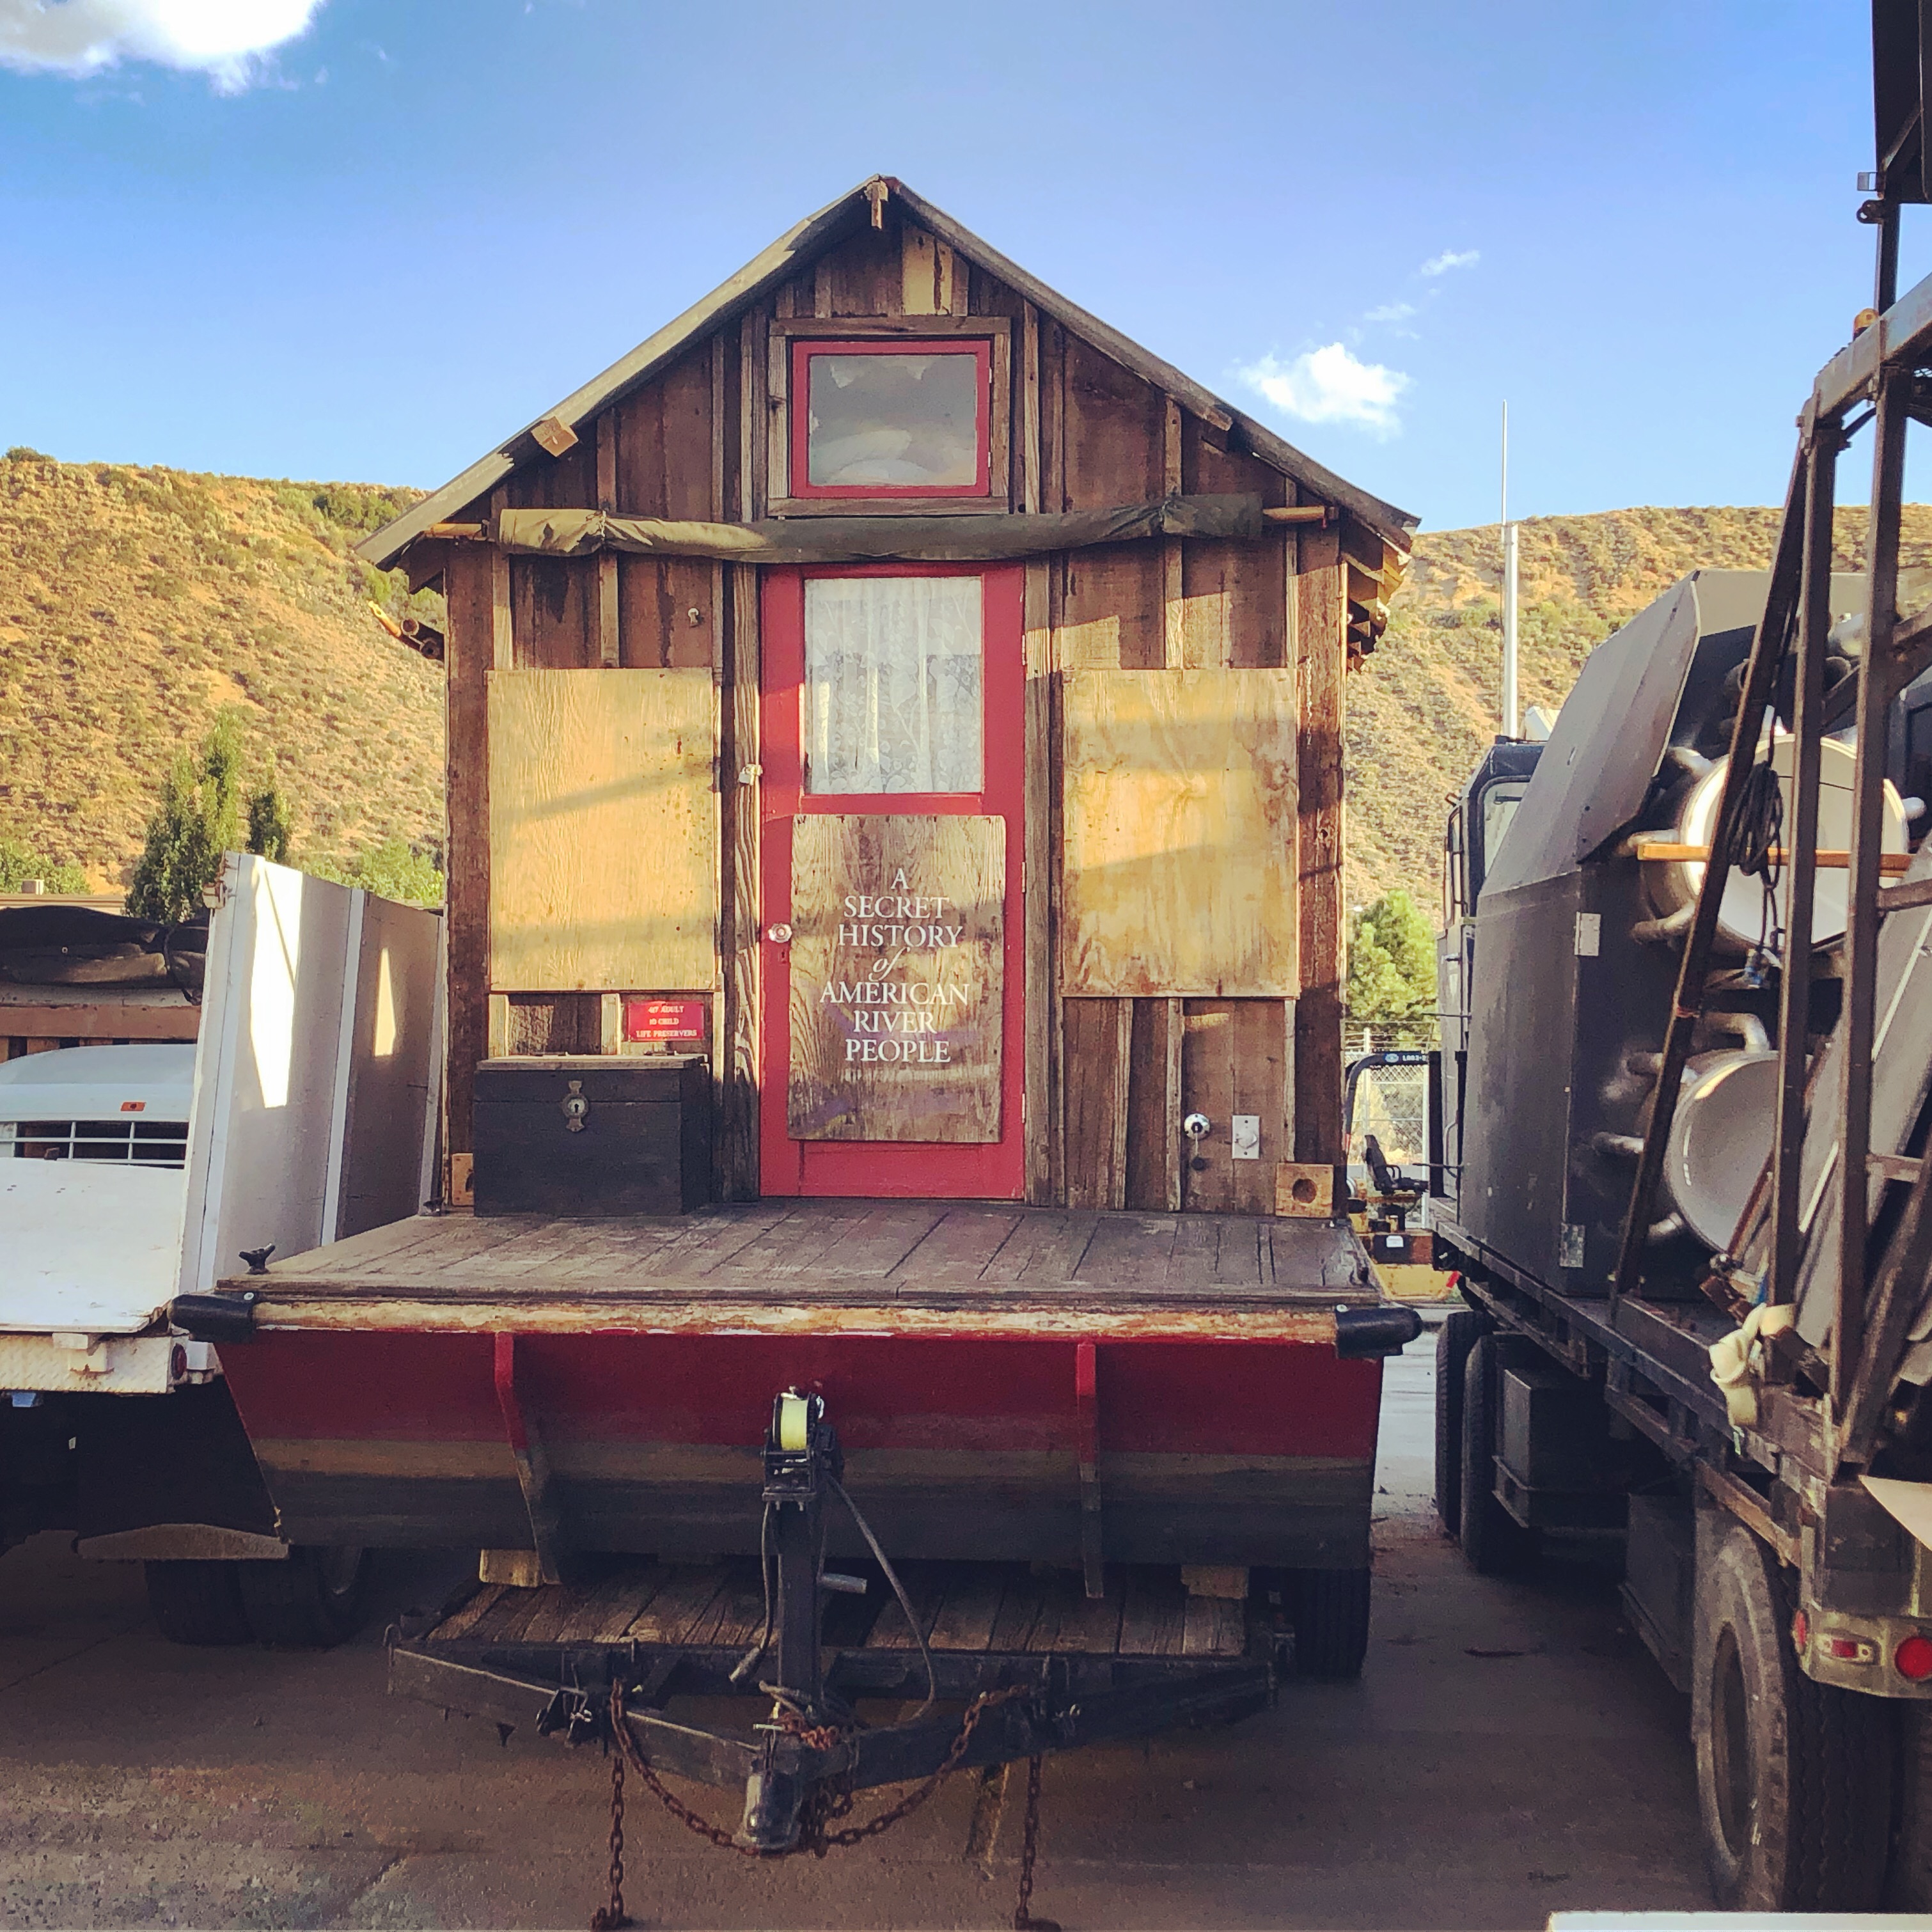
1912, 1659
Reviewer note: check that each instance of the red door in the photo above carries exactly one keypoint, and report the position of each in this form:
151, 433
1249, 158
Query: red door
892, 692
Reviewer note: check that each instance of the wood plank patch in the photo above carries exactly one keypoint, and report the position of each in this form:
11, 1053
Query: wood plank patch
966, 1619
1215, 1627
467, 1615
1153, 1620
688, 1593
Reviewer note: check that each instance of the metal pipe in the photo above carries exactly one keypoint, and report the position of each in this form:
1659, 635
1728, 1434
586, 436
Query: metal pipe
1875, 694
1746, 1027
1794, 1010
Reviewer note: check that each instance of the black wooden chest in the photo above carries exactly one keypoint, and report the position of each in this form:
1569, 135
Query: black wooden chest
593, 1134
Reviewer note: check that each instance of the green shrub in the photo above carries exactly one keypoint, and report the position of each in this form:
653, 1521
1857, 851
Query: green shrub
19, 865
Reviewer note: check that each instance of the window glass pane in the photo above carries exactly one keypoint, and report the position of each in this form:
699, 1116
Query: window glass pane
1499, 805
894, 421
892, 685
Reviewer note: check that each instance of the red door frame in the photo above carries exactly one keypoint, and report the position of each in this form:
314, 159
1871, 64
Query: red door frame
987, 1171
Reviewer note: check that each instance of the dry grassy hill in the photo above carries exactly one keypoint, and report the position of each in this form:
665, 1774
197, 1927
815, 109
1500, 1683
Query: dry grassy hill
136, 604
1423, 707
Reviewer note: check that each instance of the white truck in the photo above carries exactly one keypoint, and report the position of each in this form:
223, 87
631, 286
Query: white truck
306, 1110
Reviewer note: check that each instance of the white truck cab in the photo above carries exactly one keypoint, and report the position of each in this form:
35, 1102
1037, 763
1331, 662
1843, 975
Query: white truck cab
93, 1188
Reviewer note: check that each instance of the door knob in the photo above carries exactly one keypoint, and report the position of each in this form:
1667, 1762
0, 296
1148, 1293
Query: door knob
1197, 1127
779, 935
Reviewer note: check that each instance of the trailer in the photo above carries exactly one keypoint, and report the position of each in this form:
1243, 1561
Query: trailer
895, 966
1685, 1183
134, 1172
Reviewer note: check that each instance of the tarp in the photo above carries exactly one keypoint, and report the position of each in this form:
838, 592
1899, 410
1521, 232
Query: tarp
969, 538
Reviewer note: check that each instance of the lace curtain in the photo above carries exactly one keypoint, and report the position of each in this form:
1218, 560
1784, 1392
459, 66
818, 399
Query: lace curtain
893, 697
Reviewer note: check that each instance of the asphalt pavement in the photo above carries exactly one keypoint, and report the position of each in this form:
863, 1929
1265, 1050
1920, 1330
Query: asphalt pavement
1511, 1751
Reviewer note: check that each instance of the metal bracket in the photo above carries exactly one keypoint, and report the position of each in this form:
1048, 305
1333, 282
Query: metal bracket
1087, 1419
533, 1472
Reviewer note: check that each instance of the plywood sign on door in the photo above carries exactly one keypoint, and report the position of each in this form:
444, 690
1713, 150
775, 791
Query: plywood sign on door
896, 983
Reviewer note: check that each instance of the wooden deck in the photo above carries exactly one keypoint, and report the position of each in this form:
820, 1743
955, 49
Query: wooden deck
770, 1264
976, 1609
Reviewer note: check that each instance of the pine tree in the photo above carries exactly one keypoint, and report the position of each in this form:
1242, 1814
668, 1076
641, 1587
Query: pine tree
1391, 967
198, 819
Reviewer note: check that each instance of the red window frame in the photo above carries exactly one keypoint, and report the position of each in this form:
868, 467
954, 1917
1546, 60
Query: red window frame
805, 347
887, 1170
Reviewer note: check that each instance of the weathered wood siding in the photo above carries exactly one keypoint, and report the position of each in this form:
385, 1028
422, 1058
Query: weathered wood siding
1108, 1079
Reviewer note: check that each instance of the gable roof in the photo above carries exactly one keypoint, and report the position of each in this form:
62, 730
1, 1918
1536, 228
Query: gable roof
783, 260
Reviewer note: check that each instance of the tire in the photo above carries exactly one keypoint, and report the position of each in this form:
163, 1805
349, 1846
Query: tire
1329, 1611
1794, 1778
315, 1598
197, 1603
1461, 1330
1492, 1540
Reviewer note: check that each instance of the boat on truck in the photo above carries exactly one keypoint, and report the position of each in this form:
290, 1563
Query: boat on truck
894, 1068
134, 1172
1687, 1189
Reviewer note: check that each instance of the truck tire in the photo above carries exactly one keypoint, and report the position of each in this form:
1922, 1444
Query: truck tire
197, 1603
1492, 1540
315, 1598
1794, 1778
1461, 1330
1330, 1610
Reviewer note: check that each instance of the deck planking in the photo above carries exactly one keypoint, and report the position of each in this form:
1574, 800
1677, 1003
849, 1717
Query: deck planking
851, 1253
973, 1608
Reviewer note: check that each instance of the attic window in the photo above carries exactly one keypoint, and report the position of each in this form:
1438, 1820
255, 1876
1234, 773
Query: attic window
891, 417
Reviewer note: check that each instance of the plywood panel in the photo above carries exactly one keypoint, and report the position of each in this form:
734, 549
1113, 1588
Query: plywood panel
1179, 811
897, 977
603, 837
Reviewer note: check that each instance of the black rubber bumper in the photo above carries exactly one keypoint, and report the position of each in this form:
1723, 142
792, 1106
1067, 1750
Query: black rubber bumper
1364, 1334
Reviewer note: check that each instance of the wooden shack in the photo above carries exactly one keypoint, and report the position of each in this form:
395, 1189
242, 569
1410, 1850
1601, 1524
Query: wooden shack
891, 685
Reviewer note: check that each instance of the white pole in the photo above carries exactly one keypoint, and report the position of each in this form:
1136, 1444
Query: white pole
1510, 723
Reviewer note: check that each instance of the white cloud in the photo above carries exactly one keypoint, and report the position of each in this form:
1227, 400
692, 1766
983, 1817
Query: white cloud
1398, 311
1329, 385
1440, 264
225, 39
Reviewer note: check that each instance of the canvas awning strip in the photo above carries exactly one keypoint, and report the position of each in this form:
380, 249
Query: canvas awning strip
938, 539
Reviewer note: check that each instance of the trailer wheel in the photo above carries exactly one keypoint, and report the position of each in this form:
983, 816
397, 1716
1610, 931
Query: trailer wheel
1794, 1778
1330, 1614
197, 1603
1461, 1330
1494, 1543
314, 1598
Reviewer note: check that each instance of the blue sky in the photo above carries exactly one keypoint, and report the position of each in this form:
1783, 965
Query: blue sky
369, 249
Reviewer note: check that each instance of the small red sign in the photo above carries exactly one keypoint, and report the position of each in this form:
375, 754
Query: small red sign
663, 1019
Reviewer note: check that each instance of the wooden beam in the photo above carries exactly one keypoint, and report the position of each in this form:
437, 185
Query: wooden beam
1030, 484
1318, 514
99, 1020
1322, 637
503, 640
1172, 605
609, 647
1124, 1063
466, 828
540, 1502
1041, 980
744, 978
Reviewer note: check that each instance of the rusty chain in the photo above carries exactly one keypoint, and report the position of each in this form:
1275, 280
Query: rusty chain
613, 1918
1023, 1918
826, 1803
